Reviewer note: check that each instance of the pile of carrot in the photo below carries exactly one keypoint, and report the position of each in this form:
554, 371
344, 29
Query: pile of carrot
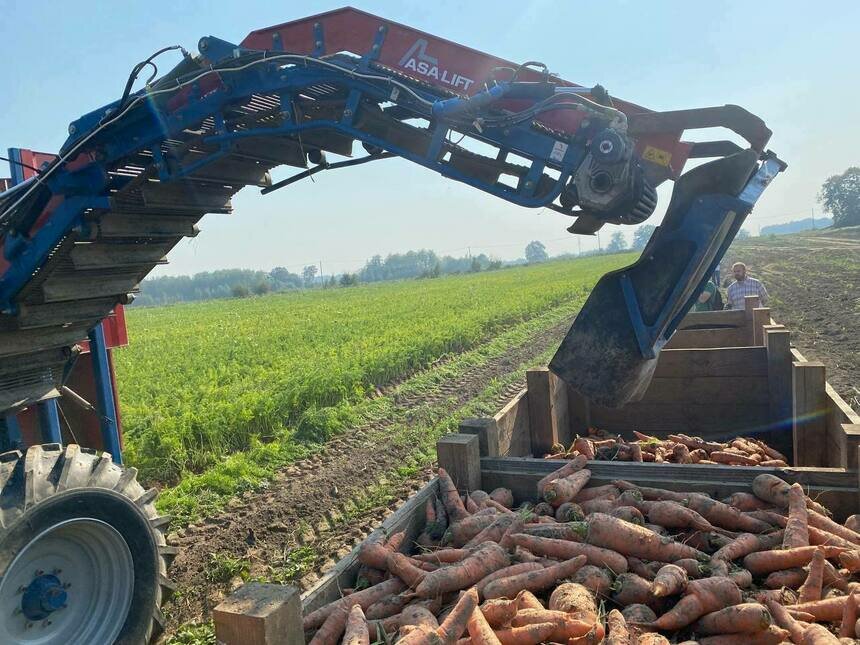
616, 563
675, 448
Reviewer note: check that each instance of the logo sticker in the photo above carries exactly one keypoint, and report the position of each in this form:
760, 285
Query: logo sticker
419, 61
657, 156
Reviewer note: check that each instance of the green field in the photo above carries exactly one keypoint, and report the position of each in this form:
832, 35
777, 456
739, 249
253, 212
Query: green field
203, 381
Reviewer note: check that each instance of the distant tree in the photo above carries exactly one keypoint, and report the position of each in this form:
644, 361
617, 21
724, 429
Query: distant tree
641, 236
261, 288
494, 265
475, 266
743, 234
240, 291
840, 195
309, 273
348, 280
617, 243
536, 252
332, 282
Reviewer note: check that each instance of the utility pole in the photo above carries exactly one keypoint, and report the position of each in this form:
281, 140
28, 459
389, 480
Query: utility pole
579, 241
322, 282
599, 247
812, 210
469, 252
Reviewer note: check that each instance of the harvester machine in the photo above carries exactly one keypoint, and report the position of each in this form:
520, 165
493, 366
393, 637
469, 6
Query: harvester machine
135, 176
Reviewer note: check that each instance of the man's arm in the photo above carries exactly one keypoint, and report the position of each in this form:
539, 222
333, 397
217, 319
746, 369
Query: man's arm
762, 293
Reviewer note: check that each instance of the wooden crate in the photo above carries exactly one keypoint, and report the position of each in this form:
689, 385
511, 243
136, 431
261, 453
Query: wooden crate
836, 488
765, 389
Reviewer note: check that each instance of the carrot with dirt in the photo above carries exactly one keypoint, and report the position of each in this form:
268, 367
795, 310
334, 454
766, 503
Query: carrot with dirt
584, 447
479, 629
792, 578
801, 633
503, 496
773, 635
850, 560
526, 635
628, 539
365, 598
389, 606
443, 556
747, 617
797, 523
745, 502
552, 548
632, 589
824, 523
724, 516
569, 531
461, 532
499, 611
569, 512
732, 458
357, 632
810, 590
745, 544
647, 570
559, 491
404, 568
669, 581
849, 616
574, 599
595, 492
765, 562
567, 626
652, 494
618, 633
597, 580
513, 570
484, 560
829, 610
628, 514
494, 532
533, 580
771, 489
576, 464
638, 616
702, 597
673, 515
451, 498
455, 623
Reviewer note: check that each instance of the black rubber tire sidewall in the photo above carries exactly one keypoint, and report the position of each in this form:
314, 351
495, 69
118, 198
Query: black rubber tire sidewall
120, 513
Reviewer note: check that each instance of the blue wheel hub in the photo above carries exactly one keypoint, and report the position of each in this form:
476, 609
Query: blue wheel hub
43, 596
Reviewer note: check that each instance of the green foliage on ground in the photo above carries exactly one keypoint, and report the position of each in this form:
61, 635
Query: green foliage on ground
265, 379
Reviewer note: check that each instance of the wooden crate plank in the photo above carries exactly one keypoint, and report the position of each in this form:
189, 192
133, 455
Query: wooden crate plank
146, 225
487, 432
810, 410
100, 255
548, 412
779, 360
79, 285
709, 391
61, 313
260, 614
726, 361
512, 423
761, 318
713, 319
460, 455
704, 338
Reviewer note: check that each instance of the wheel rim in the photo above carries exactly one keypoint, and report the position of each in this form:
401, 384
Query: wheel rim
72, 583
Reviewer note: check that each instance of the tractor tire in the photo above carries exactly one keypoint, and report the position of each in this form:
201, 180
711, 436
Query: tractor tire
82, 550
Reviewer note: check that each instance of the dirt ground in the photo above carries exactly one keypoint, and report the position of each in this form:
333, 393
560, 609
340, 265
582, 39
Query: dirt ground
814, 283
299, 513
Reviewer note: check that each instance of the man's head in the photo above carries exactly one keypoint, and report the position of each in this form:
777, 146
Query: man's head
739, 270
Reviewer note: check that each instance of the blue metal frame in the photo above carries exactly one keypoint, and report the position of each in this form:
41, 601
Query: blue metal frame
104, 393
10, 432
49, 421
15, 167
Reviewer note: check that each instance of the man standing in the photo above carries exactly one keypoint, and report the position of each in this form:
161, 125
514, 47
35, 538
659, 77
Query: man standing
744, 286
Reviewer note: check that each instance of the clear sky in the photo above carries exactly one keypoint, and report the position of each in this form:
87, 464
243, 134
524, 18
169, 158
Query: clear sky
792, 63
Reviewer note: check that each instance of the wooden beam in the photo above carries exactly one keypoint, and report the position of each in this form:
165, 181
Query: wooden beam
549, 422
487, 432
810, 413
750, 303
726, 361
850, 433
778, 345
761, 317
260, 614
460, 455
703, 338
512, 425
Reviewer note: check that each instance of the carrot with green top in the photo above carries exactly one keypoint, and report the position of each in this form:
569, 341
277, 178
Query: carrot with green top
569, 512
533, 580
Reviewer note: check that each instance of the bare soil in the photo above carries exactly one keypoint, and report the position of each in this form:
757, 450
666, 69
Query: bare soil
814, 283
302, 507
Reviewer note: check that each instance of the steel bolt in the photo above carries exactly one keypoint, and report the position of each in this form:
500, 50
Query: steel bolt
28, 625
72, 128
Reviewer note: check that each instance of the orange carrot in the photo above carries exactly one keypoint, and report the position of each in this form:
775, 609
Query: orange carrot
365, 598
773, 635
811, 588
796, 526
584, 446
404, 568
503, 496
745, 544
513, 570
527, 600
669, 581
595, 492
420, 614
792, 578
829, 610
533, 580
442, 556
849, 616
526, 635
673, 515
578, 463
811, 634
479, 629
852, 523
487, 558
499, 611
332, 628
559, 491
817, 537
702, 597
617, 628
819, 521
494, 532
357, 632
552, 548
388, 606
725, 457
647, 570
628, 539
767, 561
850, 560
569, 531
455, 623
694, 568
638, 614
574, 599
650, 638
774, 463
596, 579
467, 528
681, 454
746, 617
628, 514
451, 498
725, 516
566, 625
652, 494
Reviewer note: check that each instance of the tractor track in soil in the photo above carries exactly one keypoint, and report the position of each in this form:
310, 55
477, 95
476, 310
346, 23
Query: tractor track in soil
302, 504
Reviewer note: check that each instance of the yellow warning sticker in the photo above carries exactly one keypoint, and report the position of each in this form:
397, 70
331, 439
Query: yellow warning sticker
657, 156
